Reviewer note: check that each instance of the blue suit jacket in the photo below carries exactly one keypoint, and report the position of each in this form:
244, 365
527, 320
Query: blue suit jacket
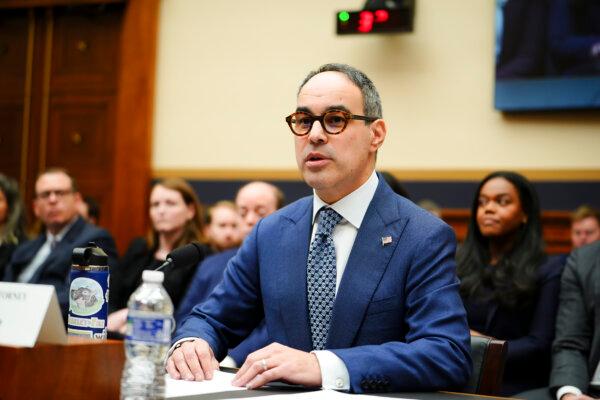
208, 275
55, 270
398, 321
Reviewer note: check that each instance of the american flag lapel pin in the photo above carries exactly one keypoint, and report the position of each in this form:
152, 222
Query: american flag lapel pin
385, 240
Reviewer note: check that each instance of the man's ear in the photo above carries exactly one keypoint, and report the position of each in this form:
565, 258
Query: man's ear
36, 208
78, 199
378, 132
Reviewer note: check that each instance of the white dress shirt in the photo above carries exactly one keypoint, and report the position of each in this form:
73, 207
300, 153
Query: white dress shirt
352, 208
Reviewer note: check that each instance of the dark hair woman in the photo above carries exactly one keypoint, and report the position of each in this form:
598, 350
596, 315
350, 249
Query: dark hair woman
508, 285
12, 220
177, 219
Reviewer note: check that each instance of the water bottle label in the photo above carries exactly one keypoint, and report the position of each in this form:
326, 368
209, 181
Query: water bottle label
149, 329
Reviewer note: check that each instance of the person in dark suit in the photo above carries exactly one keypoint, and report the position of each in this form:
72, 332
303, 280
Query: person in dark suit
12, 220
47, 258
253, 201
509, 286
369, 304
576, 349
177, 219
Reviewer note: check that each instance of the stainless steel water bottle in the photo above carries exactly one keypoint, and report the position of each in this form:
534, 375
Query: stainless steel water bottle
88, 294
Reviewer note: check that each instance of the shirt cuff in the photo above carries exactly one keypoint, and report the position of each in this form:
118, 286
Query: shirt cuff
567, 389
334, 374
178, 343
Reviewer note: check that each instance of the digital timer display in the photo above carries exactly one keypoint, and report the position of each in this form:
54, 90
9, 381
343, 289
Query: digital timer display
374, 21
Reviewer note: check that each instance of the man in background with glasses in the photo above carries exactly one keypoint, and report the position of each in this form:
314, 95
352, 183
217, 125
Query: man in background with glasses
47, 258
357, 284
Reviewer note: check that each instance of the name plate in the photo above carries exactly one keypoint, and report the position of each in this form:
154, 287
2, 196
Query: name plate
29, 314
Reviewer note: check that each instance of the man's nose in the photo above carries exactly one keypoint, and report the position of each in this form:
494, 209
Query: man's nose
252, 218
317, 134
52, 196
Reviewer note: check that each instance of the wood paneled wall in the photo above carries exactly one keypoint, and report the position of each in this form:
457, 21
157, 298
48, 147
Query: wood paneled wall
556, 228
79, 79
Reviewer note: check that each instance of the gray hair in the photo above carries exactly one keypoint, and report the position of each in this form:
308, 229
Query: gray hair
371, 99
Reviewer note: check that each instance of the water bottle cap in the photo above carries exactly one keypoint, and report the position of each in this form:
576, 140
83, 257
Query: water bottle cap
90, 255
153, 276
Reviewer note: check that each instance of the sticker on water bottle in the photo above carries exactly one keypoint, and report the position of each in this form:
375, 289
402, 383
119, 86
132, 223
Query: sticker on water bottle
149, 329
86, 297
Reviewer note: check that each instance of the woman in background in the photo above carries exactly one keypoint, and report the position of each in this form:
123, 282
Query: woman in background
12, 220
508, 285
176, 216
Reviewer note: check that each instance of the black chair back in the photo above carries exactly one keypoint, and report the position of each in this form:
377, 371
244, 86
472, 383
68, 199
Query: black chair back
489, 357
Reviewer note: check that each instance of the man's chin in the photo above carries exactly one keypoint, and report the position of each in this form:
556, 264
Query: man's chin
316, 180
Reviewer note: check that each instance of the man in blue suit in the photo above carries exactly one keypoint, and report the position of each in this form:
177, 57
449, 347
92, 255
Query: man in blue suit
356, 284
47, 258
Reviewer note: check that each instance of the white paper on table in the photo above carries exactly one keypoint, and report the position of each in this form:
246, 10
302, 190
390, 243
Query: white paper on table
221, 382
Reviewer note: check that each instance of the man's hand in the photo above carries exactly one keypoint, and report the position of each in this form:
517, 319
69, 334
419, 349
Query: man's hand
117, 321
279, 362
572, 396
192, 361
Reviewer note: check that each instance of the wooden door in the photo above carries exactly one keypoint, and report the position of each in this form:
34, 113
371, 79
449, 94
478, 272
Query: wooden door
14, 63
71, 76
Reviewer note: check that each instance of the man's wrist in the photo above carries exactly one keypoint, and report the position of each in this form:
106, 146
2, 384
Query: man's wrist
563, 391
334, 374
178, 344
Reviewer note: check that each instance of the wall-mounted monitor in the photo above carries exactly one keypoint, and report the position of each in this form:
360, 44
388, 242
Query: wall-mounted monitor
547, 54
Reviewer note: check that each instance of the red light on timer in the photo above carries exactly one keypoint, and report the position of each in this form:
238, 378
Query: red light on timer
381, 16
366, 19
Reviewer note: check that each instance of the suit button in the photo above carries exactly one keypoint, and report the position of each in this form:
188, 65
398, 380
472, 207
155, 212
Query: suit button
339, 383
386, 384
365, 385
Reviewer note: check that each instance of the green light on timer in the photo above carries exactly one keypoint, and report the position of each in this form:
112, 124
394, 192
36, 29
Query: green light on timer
344, 16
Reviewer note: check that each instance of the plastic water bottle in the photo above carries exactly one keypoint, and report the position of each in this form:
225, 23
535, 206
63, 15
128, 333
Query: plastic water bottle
147, 341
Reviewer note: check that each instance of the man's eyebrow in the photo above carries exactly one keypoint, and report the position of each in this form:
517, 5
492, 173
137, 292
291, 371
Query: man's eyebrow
340, 107
303, 109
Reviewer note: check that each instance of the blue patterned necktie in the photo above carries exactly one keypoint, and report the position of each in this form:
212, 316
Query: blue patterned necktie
321, 275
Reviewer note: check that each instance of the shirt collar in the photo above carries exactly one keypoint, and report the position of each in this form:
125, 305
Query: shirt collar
60, 235
354, 206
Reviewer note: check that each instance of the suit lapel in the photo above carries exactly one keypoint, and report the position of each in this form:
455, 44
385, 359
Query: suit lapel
65, 245
24, 255
293, 245
595, 300
366, 265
